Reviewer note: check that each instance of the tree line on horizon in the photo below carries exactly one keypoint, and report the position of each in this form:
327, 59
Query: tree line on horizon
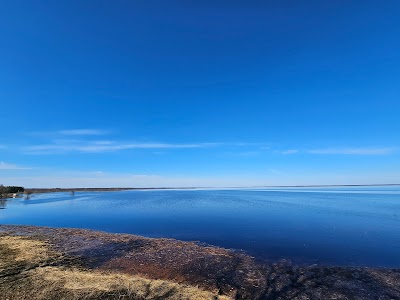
6, 190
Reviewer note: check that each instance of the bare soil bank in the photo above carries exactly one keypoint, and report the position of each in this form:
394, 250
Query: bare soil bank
46, 263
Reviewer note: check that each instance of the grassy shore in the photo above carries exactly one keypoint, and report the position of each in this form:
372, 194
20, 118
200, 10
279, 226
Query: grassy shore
50, 263
32, 269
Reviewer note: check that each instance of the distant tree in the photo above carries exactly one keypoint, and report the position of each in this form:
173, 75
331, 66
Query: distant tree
5, 191
15, 189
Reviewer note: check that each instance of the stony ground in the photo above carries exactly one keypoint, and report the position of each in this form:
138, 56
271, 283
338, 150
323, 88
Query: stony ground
83, 264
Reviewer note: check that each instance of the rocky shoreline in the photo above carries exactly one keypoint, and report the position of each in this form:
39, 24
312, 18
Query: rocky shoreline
214, 271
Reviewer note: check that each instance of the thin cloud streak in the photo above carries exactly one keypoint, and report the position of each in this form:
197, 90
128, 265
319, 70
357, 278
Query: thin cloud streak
290, 151
107, 146
353, 151
78, 132
8, 166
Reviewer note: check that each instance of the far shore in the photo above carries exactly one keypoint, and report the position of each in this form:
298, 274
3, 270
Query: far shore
66, 190
115, 189
56, 190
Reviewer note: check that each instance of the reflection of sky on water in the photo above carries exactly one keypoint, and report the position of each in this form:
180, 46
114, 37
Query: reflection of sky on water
343, 226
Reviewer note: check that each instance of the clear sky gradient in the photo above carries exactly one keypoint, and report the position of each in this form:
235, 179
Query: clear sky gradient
199, 93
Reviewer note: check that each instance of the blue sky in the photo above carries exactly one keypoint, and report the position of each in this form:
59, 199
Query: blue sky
199, 93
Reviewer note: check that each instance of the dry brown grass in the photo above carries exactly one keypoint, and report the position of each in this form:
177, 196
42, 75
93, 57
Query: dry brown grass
83, 283
26, 249
61, 282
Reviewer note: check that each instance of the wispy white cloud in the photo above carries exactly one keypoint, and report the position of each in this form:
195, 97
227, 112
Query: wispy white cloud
242, 153
80, 132
105, 146
290, 151
8, 166
265, 148
103, 142
353, 151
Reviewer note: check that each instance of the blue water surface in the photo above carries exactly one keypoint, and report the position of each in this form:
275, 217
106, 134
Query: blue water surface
357, 226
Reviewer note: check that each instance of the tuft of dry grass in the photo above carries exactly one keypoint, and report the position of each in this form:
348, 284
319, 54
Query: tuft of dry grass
26, 249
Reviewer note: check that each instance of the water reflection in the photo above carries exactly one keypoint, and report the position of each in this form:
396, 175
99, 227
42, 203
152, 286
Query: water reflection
3, 203
344, 227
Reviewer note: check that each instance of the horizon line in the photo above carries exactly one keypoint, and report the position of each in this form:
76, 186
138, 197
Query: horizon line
216, 187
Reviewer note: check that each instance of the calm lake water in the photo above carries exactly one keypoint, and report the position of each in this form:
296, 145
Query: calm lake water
336, 226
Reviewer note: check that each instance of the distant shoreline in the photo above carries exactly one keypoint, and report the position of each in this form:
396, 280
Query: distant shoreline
53, 190
328, 185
